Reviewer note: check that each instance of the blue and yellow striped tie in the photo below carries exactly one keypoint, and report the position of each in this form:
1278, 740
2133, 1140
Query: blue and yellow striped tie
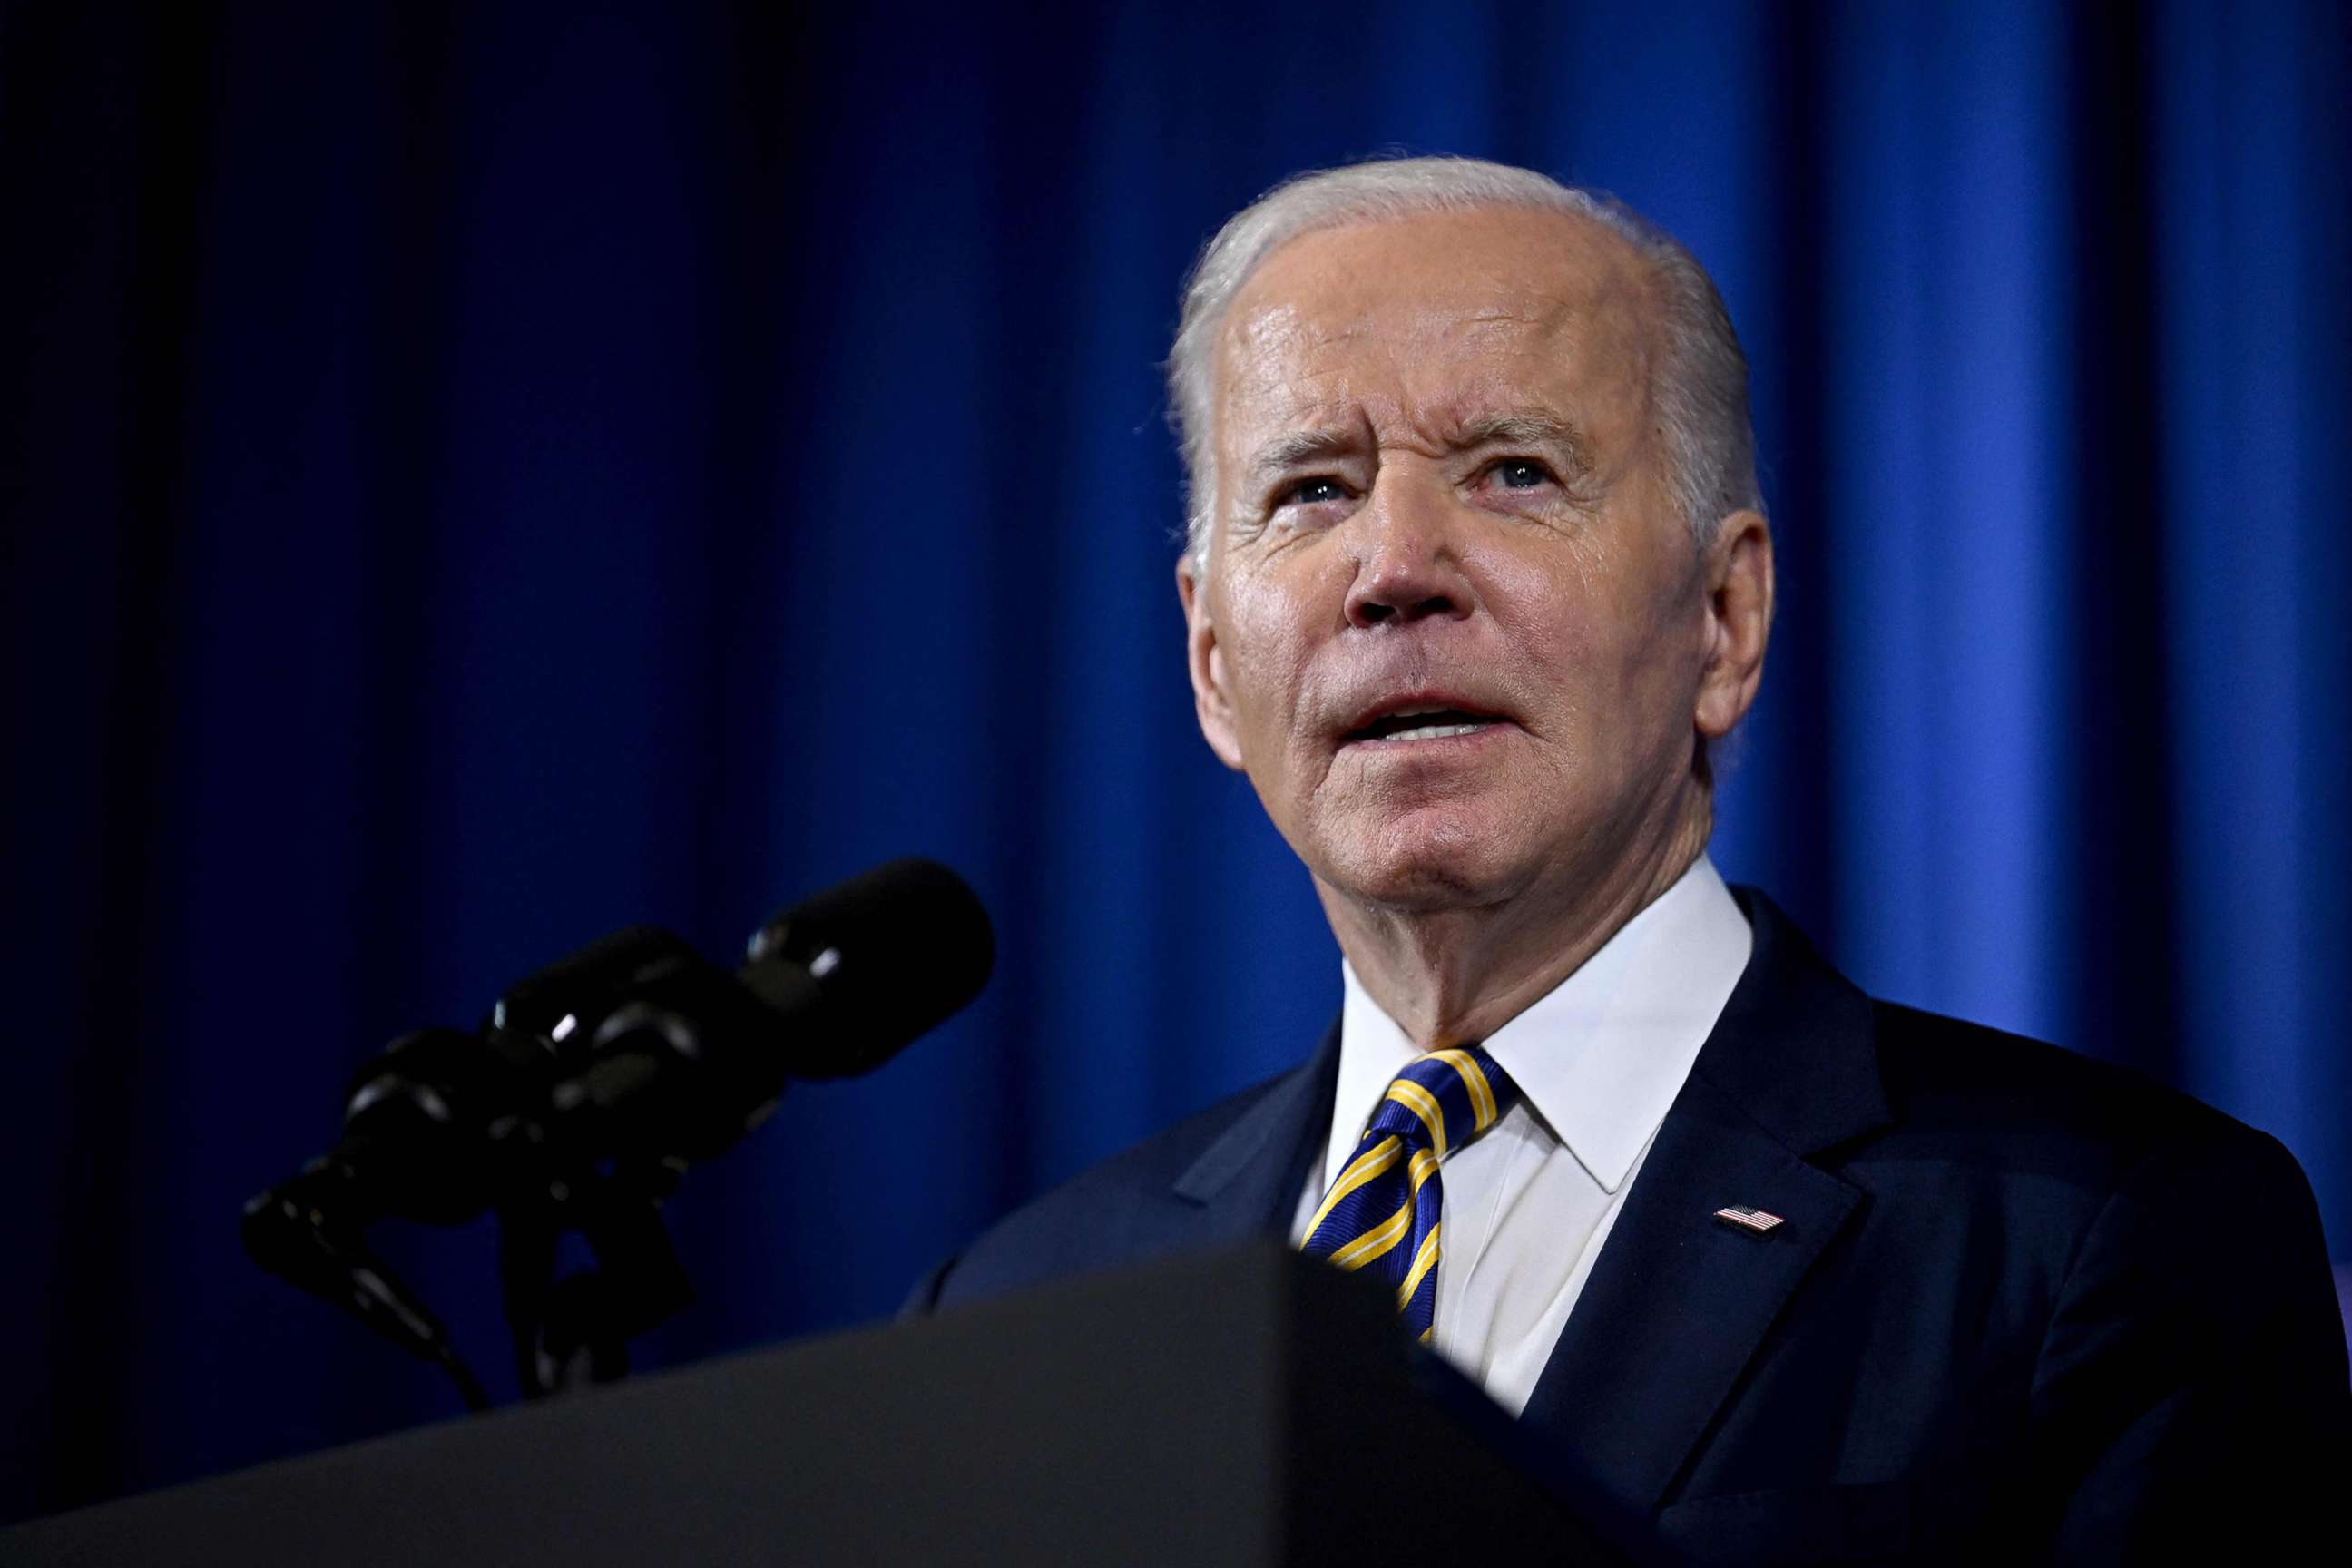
1382, 1214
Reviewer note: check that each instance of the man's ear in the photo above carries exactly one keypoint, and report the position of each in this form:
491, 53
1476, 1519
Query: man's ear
1737, 572
1205, 662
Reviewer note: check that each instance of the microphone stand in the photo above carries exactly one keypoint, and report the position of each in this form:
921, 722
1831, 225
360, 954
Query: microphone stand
575, 1329
290, 1231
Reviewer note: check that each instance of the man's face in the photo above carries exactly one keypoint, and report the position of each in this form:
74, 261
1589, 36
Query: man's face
1439, 485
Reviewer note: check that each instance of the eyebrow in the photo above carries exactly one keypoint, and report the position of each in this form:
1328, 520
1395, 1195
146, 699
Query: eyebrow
1286, 452
1524, 429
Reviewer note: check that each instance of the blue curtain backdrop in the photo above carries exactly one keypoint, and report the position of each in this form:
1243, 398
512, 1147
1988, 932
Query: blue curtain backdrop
477, 476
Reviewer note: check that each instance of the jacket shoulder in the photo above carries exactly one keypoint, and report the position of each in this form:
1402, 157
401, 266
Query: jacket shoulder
1121, 1210
2004, 1145
2026, 1105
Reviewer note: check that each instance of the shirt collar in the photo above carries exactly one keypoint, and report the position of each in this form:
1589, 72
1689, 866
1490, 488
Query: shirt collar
1601, 1056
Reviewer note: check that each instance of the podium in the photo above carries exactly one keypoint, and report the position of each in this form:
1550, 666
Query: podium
1239, 1407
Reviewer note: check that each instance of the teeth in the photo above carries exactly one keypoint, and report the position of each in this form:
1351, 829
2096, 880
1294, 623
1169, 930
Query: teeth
1436, 731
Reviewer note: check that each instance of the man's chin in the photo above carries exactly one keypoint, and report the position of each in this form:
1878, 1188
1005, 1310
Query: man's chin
1425, 871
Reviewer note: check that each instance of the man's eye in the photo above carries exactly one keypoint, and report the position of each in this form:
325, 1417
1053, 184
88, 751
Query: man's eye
1521, 474
1314, 492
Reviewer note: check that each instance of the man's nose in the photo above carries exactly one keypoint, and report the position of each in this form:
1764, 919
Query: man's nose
1408, 561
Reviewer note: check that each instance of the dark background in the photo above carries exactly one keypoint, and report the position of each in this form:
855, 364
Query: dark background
478, 475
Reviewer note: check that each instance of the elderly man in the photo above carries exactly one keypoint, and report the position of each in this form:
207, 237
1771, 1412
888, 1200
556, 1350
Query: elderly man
1479, 573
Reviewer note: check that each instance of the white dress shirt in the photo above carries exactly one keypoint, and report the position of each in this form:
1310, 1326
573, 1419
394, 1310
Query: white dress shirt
1598, 1060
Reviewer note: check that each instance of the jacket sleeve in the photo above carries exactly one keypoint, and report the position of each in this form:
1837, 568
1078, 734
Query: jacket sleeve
2192, 1393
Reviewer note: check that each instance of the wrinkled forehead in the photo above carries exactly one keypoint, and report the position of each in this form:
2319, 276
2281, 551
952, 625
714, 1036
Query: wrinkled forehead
1436, 316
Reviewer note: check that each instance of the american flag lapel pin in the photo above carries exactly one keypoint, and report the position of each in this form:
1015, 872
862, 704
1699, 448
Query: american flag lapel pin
1755, 1221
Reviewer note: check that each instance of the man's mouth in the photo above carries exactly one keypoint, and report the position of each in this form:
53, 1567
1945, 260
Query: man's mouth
1420, 721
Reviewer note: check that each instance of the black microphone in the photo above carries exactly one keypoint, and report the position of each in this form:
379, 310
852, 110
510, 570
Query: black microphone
888, 956
690, 1059
634, 1052
634, 1046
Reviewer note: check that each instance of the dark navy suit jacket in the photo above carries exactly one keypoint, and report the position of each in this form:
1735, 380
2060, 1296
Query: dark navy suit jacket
2023, 1303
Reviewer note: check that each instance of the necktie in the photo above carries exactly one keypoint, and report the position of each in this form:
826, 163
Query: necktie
1382, 1214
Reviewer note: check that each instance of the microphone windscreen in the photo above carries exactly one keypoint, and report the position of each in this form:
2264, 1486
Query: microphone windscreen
864, 968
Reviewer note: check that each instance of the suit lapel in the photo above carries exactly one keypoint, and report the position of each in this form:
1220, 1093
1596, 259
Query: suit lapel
1679, 1301
1248, 1180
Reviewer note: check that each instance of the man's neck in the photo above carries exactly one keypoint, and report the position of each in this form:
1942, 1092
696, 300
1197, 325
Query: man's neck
1454, 974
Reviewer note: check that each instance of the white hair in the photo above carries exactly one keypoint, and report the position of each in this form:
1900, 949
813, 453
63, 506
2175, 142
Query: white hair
1699, 385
